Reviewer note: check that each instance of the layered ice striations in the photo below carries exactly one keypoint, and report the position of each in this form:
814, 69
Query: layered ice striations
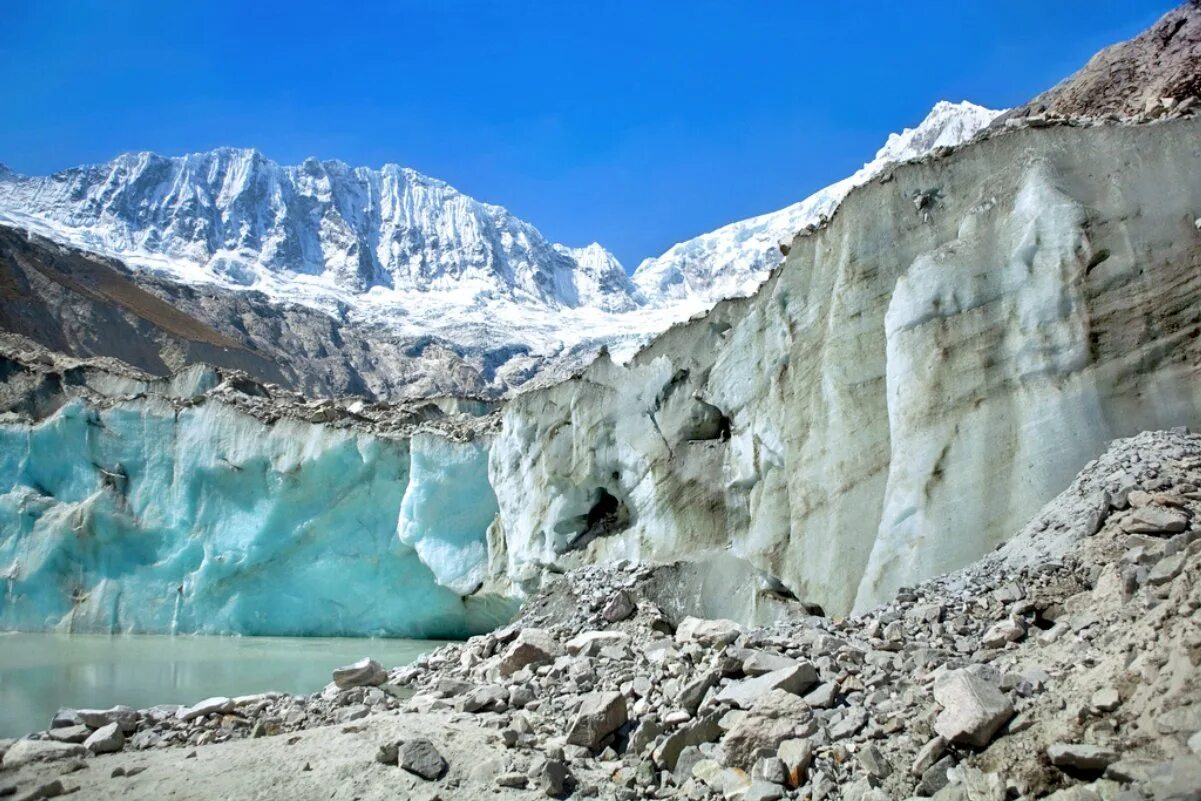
145, 517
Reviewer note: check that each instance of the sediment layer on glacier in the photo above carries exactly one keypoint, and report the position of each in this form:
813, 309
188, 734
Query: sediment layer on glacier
912, 384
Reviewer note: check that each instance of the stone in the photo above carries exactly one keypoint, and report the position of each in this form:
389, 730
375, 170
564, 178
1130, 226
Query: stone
770, 769
1166, 569
554, 780
703, 730
69, 734
708, 632
753, 736
1092, 759
1155, 520
759, 662
512, 780
761, 790
797, 756
421, 758
49, 790
687, 759
600, 714
693, 692
796, 679
388, 754
1003, 632
125, 716
589, 643
364, 673
25, 751
973, 709
209, 706
935, 777
927, 755
486, 698
532, 647
874, 762
619, 607
822, 696
106, 740
1105, 700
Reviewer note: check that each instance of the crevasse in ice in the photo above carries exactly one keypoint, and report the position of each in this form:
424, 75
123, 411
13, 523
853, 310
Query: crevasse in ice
141, 517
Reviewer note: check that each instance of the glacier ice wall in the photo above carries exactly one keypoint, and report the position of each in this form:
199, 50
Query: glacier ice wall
148, 517
906, 390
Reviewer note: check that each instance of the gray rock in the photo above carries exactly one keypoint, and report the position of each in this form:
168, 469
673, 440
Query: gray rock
388, 754
1081, 757
928, 755
619, 607
822, 696
487, 698
973, 709
708, 632
771, 769
1106, 699
797, 756
688, 758
600, 715
693, 693
796, 679
532, 647
209, 706
1166, 569
703, 730
421, 758
106, 740
554, 779
590, 643
1155, 520
759, 662
127, 717
364, 673
69, 734
935, 777
25, 751
874, 762
49, 790
761, 790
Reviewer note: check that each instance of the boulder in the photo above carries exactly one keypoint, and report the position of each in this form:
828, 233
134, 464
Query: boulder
797, 756
796, 679
69, 734
1092, 759
209, 706
531, 647
973, 709
364, 673
125, 716
421, 758
589, 643
756, 663
600, 715
708, 632
25, 751
1155, 520
619, 607
106, 740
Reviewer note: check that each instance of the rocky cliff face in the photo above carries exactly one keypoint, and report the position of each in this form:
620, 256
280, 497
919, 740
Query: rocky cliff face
910, 386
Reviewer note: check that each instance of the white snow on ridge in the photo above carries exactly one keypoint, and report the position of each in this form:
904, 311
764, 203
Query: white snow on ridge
733, 260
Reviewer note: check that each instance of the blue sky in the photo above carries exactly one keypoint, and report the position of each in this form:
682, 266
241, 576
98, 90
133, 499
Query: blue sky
637, 124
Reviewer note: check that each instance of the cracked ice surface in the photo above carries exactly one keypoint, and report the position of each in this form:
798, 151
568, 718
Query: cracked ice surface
142, 517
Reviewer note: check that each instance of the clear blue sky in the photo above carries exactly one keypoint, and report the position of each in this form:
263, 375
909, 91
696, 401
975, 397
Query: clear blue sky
636, 123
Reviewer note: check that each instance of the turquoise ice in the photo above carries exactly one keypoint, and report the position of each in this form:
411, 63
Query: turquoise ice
145, 517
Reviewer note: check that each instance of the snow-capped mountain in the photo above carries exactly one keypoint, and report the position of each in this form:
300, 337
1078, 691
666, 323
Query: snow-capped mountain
735, 259
241, 219
394, 259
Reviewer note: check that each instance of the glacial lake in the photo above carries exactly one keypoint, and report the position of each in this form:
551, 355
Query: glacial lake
41, 672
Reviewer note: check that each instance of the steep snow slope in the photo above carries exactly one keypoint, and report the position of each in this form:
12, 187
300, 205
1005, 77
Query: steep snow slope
733, 260
904, 391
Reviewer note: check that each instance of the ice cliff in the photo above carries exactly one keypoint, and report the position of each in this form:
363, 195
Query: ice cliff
134, 506
909, 387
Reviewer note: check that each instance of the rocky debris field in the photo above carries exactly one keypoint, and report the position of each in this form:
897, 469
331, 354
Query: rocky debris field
35, 382
1062, 666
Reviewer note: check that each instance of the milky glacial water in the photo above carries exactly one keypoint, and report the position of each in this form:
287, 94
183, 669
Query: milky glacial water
41, 672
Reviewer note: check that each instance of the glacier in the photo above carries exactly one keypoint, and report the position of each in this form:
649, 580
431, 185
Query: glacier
147, 515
